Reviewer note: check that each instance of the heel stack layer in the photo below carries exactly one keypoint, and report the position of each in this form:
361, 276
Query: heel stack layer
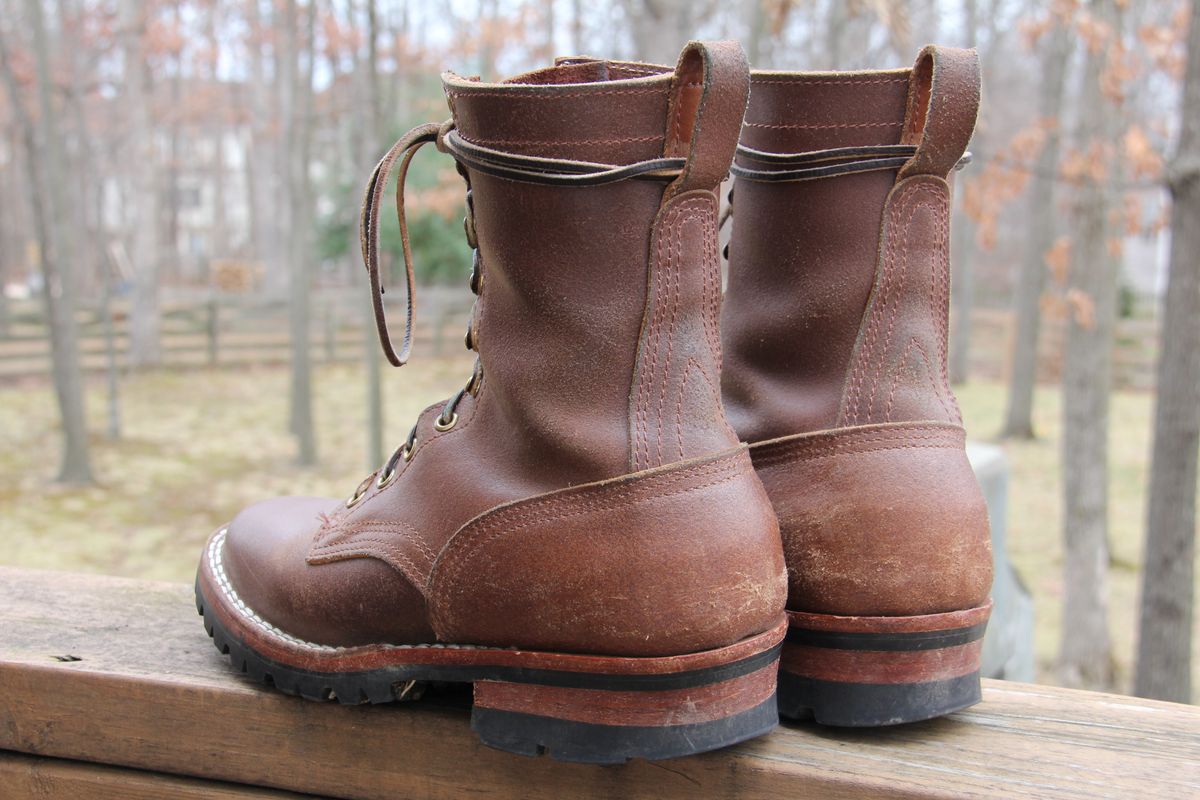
870, 671
611, 726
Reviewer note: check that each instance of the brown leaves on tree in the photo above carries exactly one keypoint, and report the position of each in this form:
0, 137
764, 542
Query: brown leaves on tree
1143, 158
1002, 180
1096, 34
1087, 164
1082, 308
1058, 260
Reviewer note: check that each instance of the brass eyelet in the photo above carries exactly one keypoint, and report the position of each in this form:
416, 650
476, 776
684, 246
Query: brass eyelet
385, 478
444, 424
476, 273
358, 495
469, 231
407, 453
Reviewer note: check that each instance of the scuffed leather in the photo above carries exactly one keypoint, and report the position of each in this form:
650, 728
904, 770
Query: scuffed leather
708, 101
265, 547
802, 256
943, 104
834, 331
671, 560
879, 520
675, 404
898, 370
568, 284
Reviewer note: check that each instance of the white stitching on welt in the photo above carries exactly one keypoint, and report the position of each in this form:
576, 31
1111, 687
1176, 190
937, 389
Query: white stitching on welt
216, 563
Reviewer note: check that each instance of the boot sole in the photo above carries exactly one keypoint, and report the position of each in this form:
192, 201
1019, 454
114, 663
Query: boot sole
580, 708
874, 671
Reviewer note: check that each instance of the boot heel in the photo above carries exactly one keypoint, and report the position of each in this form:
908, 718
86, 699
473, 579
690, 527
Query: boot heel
872, 671
619, 717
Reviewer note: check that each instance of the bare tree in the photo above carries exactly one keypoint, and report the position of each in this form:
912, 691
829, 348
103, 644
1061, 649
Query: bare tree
45, 155
1085, 655
1031, 281
264, 172
145, 323
370, 124
296, 87
962, 240
1165, 641
659, 27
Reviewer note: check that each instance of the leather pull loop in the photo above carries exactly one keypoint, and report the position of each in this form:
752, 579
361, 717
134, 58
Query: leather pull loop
704, 118
943, 103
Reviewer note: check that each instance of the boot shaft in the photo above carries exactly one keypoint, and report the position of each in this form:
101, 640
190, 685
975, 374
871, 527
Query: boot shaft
839, 281
599, 305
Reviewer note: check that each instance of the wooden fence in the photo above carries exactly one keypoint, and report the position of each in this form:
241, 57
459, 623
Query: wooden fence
231, 329
244, 329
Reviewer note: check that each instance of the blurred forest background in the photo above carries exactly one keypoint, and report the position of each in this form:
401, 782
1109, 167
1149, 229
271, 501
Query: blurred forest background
184, 323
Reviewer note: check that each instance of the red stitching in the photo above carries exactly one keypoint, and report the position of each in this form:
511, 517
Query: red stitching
453, 560
942, 438
831, 126
625, 140
387, 553
400, 528
806, 80
593, 498
522, 92
894, 274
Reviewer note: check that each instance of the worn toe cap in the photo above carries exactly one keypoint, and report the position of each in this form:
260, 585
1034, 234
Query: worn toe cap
343, 603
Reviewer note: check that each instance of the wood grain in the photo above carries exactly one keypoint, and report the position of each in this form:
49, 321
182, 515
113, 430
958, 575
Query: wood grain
150, 692
34, 778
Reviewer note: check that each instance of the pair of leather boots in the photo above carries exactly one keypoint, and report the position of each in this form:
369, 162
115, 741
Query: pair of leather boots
581, 532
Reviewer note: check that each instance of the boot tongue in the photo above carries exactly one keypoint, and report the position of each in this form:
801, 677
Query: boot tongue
798, 112
585, 111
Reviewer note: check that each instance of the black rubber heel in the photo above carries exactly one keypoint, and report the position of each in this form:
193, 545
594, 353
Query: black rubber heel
591, 743
853, 705
874, 671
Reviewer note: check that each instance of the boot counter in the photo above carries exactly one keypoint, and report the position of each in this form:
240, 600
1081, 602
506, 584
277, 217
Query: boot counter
881, 520
898, 369
627, 567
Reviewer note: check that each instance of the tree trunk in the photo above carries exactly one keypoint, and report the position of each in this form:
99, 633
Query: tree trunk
962, 293
296, 85
145, 322
1085, 655
754, 13
220, 227
962, 241
659, 28
1031, 282
265, 171
835, 31
44, 166
369, 148
577, 27
11, 236
1165, 641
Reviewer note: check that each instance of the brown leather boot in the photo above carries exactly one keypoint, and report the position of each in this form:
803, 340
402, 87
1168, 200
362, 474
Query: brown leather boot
834, 330
578, 532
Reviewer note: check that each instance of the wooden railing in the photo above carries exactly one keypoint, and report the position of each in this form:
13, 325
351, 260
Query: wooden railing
110, 688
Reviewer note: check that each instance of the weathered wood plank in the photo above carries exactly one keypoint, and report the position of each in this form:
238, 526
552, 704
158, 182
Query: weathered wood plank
34, 778
150, 692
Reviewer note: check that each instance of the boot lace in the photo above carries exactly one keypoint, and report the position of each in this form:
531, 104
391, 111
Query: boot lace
509, 166
817, 164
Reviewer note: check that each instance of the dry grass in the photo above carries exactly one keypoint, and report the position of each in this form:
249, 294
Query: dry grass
199, 445
1035, 515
